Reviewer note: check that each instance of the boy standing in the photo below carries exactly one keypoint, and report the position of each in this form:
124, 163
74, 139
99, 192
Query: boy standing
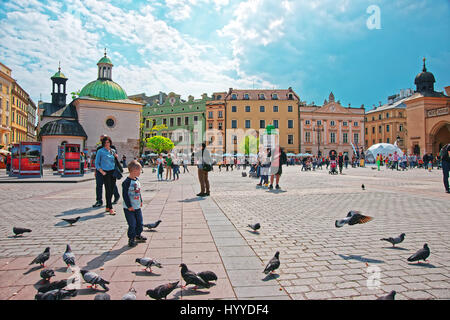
132, 203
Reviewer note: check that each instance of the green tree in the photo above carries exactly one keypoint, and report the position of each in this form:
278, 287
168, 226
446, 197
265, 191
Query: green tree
160, 144
75, 94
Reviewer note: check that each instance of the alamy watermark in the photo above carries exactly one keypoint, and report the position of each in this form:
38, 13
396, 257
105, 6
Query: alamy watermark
374, 20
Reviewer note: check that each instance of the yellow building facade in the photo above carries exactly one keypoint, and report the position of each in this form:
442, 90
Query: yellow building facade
19, 113
5, 105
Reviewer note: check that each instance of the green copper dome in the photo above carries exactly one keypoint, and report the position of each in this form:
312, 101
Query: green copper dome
59, 74
105, 59
104, 90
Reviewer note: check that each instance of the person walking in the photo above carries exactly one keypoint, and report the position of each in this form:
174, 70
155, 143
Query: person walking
105, 164
160, 167
445, 158
204, 165
340, 162
277, 159
185, 165
378, 161
346, 159
176, 168
169, 166
124, 161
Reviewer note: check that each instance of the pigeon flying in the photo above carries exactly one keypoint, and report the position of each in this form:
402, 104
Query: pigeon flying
46, 274
162, 291
94, 279
42, 257
422, 254
353, 217
71, 221
131, 295
255, 226
395, 241
192, 278
148, 263
69, 257
273, 264
56, 285
153, 225
207, 276
102, 296
57, 294
18, 231
390, 296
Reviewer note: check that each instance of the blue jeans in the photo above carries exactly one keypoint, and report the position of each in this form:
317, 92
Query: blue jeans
160, 173
135, 222
445, 171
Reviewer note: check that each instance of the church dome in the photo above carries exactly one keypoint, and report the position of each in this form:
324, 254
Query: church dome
424, 81
104, 90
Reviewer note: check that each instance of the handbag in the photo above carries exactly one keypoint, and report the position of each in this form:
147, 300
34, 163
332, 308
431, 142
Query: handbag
117, 169
207, 167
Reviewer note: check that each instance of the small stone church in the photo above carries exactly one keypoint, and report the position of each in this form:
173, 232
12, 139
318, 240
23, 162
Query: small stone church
102, 107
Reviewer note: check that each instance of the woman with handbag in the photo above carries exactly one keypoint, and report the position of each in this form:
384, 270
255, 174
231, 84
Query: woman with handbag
105, 162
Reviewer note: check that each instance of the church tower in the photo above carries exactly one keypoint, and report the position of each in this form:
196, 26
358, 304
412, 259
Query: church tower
59, 89
105, 68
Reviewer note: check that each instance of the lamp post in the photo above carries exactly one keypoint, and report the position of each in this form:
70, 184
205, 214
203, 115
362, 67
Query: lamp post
318, 130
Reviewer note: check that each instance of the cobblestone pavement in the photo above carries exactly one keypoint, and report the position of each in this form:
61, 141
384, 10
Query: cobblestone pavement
318, 261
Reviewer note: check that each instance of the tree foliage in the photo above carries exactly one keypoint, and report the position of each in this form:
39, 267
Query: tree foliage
160, 144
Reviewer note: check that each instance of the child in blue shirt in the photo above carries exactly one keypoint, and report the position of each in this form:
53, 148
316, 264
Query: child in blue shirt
132, 203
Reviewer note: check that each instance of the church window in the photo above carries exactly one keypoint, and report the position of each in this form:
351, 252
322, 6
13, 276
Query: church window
110, 122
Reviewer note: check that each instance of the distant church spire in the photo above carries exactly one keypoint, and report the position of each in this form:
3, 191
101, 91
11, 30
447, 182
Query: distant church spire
424, 67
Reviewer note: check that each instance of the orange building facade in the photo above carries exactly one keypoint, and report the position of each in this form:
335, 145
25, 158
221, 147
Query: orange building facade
215, 123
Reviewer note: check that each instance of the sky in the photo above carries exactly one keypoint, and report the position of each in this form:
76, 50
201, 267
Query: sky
362, 51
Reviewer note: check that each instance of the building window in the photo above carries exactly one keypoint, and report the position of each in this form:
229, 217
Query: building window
308, 136
290, 139
186, 121
261, 108
195, 119
291, 96
367, 143
274, 96
147, 123
379, 140
387, 128
165, 121
171, 122
387, 140
210, 114
319, 122
246, 96
233, 108
154, 123
219, 97
275, 124
332, 123
379, 129
379, 116
247, 124
373, 129
210, 125
220, 114
307, 122
289, 108
373, 118
400, 114
345, 137
387, 115
261, 96
220, 125
401, 128
234, 139
262, 124
247, 108
366, 131
290, 124
233, 96
233, 124
275, 108
332, 137
356, 138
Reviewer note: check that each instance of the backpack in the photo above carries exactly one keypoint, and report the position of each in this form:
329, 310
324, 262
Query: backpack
444, 153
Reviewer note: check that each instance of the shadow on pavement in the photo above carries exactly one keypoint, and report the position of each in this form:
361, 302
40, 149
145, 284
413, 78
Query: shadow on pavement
193, 199
104, 257
424, 265
189, 292
146, 274
396, 248
252, 232
33, 269
76, 211
66, 224
271, 277
360, 258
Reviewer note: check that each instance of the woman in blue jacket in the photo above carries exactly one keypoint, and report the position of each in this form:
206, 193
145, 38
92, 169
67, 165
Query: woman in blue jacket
105, 163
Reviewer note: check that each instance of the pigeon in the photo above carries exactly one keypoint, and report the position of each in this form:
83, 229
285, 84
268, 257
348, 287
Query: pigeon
362, 187
41, 258
46, 274
390, 296
57, 294
56, 285
422, 254
69, 257
102, 296
207, 276
273, 264
353, 217
131, 295
395, 241
192, 278
162, 291
18, 231
71, 221
152, 225
94, 279
255, 226
148, 263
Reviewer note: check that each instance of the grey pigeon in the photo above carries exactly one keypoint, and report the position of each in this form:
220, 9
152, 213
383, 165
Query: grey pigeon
56, 285
422, 254
131, 295
255, 226
148, 263
71, 220
57, 294
390, 296
395, 241
363, 187
152, 225
207, 276
46, 274
162, 291
102, 296
192, 278
42, 257
353, 217
94, 279
273, 264
18, 231
69, 257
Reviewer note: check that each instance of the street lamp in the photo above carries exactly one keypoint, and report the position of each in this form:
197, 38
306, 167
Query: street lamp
318, 130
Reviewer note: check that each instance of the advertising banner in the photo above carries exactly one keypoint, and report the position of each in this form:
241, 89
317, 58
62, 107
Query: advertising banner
15, 160
72, 160
30, 159
60, 163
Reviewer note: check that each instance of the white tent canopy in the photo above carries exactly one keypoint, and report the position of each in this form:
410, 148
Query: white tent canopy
385, 149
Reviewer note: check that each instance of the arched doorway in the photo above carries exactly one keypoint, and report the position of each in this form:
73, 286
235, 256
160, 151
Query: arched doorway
440, 136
